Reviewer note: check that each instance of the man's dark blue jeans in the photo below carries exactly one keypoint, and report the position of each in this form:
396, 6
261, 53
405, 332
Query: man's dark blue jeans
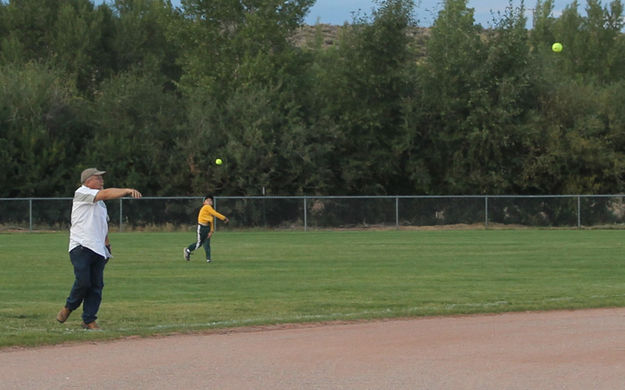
87, 288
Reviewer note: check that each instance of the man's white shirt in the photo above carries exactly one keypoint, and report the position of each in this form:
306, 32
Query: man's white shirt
89, 222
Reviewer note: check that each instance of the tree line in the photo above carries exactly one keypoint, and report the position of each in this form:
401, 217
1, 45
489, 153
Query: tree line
154, 94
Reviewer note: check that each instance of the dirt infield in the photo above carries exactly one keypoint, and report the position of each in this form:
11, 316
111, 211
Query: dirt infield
545, 350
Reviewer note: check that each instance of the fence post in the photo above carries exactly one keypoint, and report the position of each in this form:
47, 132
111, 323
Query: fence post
30, 215
121, 215
397, 212
486, 212
579, 212
305, 214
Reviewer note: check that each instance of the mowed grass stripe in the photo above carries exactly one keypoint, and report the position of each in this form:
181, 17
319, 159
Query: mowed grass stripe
262, 278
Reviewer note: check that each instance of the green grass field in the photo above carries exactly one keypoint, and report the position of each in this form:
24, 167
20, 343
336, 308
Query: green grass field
261, 278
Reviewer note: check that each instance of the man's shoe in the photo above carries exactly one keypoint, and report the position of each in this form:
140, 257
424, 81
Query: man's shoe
63, 314
208, 260
187, 254
90, 326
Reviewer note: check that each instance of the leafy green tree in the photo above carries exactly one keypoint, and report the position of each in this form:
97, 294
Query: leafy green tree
43, 129
604, 50
230, 43
263, 140
141, 39
76, 41
67, 34
593, 44
137, 124
154, 94
497, 137
241, 86
448, 82
542, 32
575, 152
364, 91
28, 27
614, 115
4, 20
479, 91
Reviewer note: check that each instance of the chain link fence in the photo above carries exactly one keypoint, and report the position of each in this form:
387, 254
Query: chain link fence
328, 212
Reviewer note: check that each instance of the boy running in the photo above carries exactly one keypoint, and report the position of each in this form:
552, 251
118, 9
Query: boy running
205, 228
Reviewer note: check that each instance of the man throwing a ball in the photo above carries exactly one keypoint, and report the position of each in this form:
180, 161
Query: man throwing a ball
89, 246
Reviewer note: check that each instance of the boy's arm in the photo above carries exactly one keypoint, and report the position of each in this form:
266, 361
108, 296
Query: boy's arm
218, 215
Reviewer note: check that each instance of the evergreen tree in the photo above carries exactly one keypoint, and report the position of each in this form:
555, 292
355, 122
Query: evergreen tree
365, 92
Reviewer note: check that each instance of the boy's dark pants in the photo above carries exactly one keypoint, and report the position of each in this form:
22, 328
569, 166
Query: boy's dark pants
202, 240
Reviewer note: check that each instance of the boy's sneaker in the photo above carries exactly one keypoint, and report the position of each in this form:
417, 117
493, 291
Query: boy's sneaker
208, 260
187, 254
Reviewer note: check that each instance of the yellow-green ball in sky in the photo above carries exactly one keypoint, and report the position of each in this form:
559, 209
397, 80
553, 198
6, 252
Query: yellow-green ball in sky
556, 47
218, 161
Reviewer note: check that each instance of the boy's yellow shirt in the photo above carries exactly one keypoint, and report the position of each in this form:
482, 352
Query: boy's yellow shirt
207, 216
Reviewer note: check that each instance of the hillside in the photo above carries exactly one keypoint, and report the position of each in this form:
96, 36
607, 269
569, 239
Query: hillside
330, 35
